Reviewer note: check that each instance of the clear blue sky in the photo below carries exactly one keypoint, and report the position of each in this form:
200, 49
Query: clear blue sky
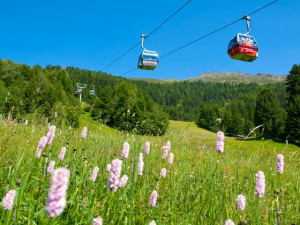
91, 34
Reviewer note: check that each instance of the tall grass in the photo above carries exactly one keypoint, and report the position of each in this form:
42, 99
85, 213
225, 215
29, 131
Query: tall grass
201, 186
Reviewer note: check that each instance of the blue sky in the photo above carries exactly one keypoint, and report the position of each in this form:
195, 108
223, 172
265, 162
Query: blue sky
91, 34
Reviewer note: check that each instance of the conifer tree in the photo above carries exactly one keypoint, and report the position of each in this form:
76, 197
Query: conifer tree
293, 106
269, 113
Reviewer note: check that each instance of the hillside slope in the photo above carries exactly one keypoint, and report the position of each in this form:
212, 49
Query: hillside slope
223, 77
238, 77
190, 182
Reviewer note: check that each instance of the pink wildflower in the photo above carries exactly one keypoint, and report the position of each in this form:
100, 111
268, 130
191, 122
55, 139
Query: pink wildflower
220, 146
94, 174
83, 133
126, 149
163, 172
168, 144
153, 198
165, 152
8, 200
220, 141
115, 173
50, 134
260, 184
147, 148
241, 202
108, 167
62, 153
280, 163
141, 164
171, 157
97, 221
123, 181
41, 146
56, 201
229, 222
220, 135
50, 168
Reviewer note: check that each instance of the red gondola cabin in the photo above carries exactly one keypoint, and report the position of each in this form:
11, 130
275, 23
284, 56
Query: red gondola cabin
243, 47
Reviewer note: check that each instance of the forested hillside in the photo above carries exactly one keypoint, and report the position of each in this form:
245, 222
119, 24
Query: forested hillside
233, 107
43, 93
49, 94
213, 105
144, 107
118, 103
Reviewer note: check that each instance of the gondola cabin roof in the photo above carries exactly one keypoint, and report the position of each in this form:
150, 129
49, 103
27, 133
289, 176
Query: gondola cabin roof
243, 39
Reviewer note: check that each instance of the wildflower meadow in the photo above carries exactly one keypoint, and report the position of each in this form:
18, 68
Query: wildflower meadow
98, 175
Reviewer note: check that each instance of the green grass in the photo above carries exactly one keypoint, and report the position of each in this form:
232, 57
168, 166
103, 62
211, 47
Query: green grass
201, 185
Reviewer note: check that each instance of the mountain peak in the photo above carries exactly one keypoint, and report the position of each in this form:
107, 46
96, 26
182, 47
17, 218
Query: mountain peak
238, 77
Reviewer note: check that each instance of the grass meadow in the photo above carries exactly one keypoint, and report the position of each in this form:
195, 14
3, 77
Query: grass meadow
201, 185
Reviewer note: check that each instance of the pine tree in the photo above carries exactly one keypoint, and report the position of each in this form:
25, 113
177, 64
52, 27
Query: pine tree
269, 113
293, 106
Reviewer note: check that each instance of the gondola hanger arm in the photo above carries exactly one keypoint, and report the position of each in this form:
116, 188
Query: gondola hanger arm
247, 18
143, 36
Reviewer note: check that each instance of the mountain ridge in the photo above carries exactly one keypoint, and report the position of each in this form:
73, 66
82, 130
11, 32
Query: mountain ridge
224, 77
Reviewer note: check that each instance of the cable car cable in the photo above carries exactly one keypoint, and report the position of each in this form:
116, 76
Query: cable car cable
198, 39
169, 18
177, 11
221, 28
204, 36
129, 71
255, 11
121, 56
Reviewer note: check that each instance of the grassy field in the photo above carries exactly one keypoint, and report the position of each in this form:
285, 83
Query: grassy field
201, 185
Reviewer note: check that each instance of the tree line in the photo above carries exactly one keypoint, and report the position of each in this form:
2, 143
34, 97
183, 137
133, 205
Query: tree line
50, 94
214, 106
28, 92
146, 107
234, 108
119, 103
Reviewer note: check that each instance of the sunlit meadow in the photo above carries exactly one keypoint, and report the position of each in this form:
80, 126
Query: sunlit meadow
180, 179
